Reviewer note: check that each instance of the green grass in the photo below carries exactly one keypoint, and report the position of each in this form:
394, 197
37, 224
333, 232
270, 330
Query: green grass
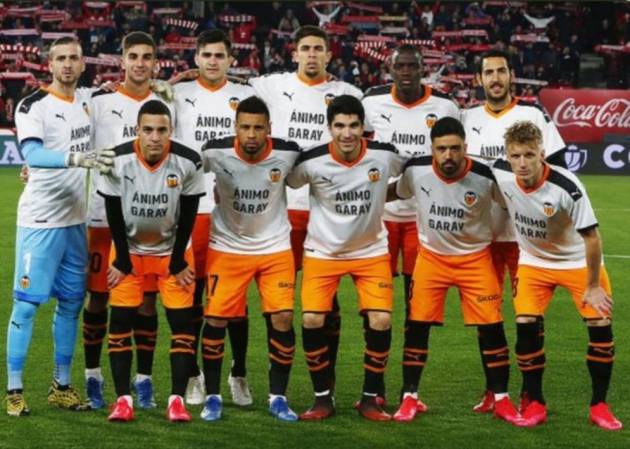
451, 383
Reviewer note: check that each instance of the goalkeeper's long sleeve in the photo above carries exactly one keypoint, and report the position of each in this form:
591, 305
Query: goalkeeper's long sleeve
37, 156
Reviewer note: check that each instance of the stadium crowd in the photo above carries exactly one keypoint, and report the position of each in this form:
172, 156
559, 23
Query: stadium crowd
545, 40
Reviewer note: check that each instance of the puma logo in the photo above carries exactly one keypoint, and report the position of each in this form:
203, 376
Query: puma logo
509, 197
477, 130
192, 102
428, 192
387, 117
381, 362
17, 326
328, 180
118, 113
130, 179
212, 349
186, 343
608, 352
60, 116
289, 96
229, 173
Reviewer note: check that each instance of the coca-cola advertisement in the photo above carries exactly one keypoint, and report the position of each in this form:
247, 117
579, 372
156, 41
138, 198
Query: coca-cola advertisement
588, 115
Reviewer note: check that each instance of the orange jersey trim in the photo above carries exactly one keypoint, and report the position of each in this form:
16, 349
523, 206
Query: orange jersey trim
261, 157
505, 110
151, 168
314, 82
336, 157
126, 92
210, 87
536, 186
59, 95
425, 97
456, 178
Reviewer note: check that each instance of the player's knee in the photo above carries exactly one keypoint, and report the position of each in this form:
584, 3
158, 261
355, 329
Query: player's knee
148, 304
180, 320
23, 311
69, 309
380, 321
313, 320
282, 321
121, 319
600, 322
492, 335
97, 302
215, 322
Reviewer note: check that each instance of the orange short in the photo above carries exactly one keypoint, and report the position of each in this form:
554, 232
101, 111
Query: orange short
402, 238
149, 271
505, 254
229, 275
200, 239
299, 223
99, 244
474, 276
534, 286
372, 277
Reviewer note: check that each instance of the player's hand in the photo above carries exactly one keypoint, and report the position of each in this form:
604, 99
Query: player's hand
114, 277
163, 89
24, 174
109, 86
598, 299
102, 160
185, 277
187, 75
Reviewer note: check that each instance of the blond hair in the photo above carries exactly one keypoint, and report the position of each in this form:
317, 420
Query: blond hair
524, 133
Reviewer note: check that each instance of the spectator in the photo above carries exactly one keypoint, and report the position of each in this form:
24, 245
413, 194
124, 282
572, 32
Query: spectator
288, 23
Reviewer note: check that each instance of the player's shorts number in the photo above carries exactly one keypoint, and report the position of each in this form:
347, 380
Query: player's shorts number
213, 280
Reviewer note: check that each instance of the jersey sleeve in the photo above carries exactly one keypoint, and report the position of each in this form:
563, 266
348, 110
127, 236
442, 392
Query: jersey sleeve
404, 186
193, 184
29, 123
299, 176
397, 162
497, 196
367, 126
354, 91
581, 210
264, 87
552, 141
108, 185
454, 111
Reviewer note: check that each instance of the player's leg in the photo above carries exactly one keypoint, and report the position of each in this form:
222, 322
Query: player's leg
195, 389
125, 300
533, 290
600, 354
37, 255
238, 332
95, 313
178, 302
426, 308
145, 329
410, 244
319, 284
374, 283
276, 283
228, 278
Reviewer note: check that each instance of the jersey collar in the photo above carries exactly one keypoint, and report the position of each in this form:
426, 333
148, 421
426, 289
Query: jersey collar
336, 158
425, 97
503, 111
121, 89
310, 82
265, 153
58, 95
467, 168
150, 168
207, 86
539, 184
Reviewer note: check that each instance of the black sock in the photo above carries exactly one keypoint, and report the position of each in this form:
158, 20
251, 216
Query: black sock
408, 285
212, 347
94, 331
377, 344
599, 359
530, 357
121, 321
317, 353
281, 345
145, 337
238, 332
332, 332
495, 357
182, 347
415, 354
197, 322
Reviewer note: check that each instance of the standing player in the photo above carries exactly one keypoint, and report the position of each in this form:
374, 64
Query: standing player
485, 125
297, 102
53, 129
403, 114
151, 201
250, 240
348, 187
560, 246
205, 111
453, 195
114, 117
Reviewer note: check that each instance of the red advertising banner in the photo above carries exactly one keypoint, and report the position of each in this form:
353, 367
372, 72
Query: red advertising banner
587, 115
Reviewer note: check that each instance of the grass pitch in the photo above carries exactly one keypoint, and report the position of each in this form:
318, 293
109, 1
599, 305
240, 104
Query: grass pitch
451, 383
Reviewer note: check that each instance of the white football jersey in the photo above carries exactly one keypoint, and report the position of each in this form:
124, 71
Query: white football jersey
251, 215
454, 216
298, 113
150, 194
114, 118
204, 113
407, 127
53, 198
347, 200
547, 218
484, 136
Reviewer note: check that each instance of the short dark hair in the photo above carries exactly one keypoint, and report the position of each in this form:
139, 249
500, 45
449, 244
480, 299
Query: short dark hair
252, 105
447, 126
345, 104
154, 107
65, 40
404, 48
494, 54
138, 38
213, 37
310, 30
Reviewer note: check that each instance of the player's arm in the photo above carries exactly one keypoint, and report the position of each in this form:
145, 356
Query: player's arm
36, 155
121, 266
178, 265
594, 295
298, 175
404, 185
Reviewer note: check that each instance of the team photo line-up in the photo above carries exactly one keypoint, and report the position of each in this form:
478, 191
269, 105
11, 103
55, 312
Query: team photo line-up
200, 185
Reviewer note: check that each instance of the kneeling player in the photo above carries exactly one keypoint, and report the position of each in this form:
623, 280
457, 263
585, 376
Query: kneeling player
559, 245
250, 240
348, 187
151, 202
453, 195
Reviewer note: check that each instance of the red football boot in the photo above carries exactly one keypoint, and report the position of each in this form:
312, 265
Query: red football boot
408, 409
534, 414
369, 409
601, 416
323, 408
421, 407
176, 411
486, 405
524, 403
380, 401
121, 411
505, 410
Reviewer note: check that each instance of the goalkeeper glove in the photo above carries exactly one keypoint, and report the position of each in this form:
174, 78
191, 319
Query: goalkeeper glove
163, 90
102, 160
